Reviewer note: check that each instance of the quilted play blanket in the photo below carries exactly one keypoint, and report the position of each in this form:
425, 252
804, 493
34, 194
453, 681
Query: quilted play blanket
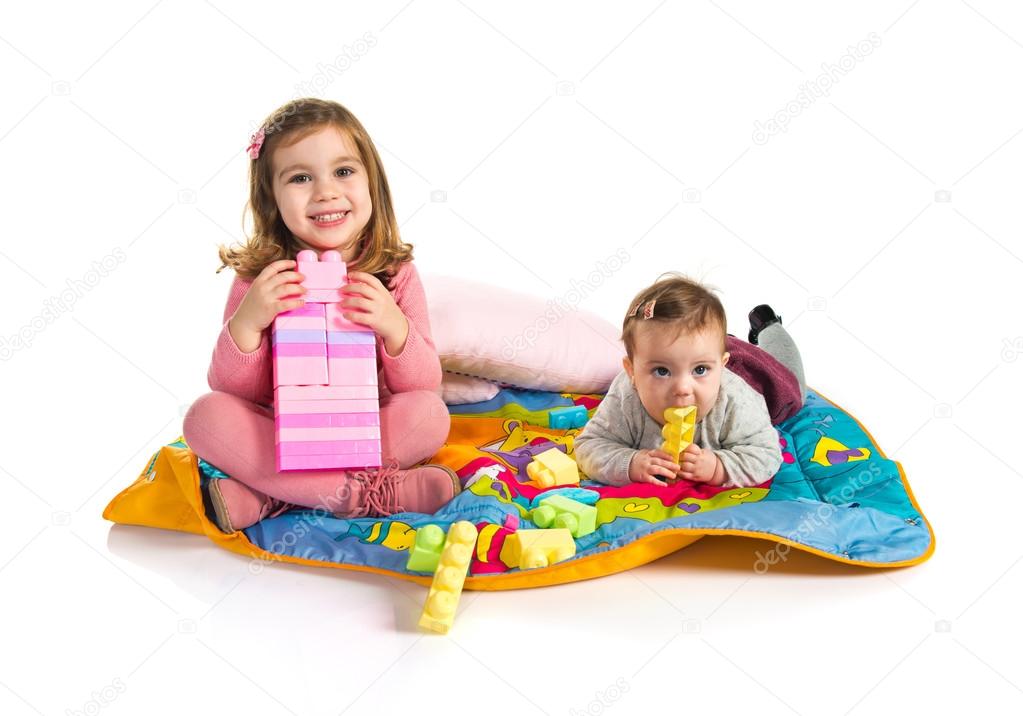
836, 495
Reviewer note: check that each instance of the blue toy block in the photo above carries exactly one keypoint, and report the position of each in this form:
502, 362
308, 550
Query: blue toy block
567, 418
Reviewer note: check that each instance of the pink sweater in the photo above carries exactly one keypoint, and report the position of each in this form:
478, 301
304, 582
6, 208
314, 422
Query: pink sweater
417, 367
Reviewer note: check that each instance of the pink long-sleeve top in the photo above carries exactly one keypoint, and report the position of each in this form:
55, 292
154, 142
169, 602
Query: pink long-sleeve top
417, 367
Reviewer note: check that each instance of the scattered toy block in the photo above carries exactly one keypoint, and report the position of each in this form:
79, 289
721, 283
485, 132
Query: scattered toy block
425, 553
487, 556
441, 602
552, 467
530, 549
567, 418
560, 511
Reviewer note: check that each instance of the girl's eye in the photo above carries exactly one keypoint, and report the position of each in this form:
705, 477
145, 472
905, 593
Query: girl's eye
701, 370
346, 169
659, 368
297, 177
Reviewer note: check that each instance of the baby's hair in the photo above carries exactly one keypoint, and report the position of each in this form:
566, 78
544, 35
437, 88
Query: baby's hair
677, 301
380, 248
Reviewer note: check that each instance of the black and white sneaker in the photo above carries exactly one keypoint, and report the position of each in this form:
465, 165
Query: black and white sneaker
760, 318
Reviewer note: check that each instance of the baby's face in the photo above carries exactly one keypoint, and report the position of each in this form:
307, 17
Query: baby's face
681, 372
319, 174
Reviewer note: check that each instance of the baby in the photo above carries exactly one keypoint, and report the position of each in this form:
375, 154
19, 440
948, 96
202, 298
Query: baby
674, 338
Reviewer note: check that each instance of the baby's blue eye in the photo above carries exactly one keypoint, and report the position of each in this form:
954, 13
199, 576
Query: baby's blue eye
701, 370
665, 374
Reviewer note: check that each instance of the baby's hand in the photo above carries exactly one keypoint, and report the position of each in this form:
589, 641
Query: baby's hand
276, 289
701, 465
646, 465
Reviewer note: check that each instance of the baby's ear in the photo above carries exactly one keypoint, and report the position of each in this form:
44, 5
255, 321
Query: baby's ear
627, 365
724, 358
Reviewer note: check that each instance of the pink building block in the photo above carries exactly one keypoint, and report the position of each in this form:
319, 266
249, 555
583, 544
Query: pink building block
327, 392
328, 296
285, 322
342, 350
326, 271
329, 447
327, 462
337, 322
326, 420
328, 406
326, 398
355, 432
352, 371
306, 370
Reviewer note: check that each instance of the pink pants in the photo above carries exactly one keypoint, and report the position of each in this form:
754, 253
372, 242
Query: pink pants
237, 436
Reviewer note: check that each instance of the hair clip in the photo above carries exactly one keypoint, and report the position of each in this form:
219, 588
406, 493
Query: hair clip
648, 309
255, 143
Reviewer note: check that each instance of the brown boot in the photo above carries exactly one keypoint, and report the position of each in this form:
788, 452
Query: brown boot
236, 506
388, 490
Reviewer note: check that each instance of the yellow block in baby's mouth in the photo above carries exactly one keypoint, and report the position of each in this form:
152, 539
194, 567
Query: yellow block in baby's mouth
678, 431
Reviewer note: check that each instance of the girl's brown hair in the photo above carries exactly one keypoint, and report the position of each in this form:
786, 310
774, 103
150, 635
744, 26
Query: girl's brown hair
380, 248
674, 300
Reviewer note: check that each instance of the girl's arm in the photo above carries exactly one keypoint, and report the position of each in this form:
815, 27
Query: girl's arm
245, 373
416, 366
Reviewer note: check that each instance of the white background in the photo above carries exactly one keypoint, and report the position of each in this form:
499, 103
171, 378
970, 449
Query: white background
560, 134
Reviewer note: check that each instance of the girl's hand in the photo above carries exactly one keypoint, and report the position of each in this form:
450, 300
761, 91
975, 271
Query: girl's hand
701, 465
274, 290
646, 465
374, 307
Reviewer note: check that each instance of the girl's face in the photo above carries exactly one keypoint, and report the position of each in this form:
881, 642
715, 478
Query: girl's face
679, 373
322, 191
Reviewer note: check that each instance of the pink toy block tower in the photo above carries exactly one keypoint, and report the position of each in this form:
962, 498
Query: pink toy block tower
326, 404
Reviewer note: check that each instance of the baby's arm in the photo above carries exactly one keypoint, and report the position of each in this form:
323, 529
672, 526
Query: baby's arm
751, 453
605, 449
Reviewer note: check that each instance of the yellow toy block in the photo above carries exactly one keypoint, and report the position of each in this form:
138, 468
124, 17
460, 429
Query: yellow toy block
678, 430
441, 602
552, 467
529, 549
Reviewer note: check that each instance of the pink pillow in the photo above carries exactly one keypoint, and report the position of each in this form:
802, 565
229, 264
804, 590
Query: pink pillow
519, 340
456, 389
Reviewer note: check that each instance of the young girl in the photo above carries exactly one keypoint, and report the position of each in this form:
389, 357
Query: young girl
316, 182
676, 351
